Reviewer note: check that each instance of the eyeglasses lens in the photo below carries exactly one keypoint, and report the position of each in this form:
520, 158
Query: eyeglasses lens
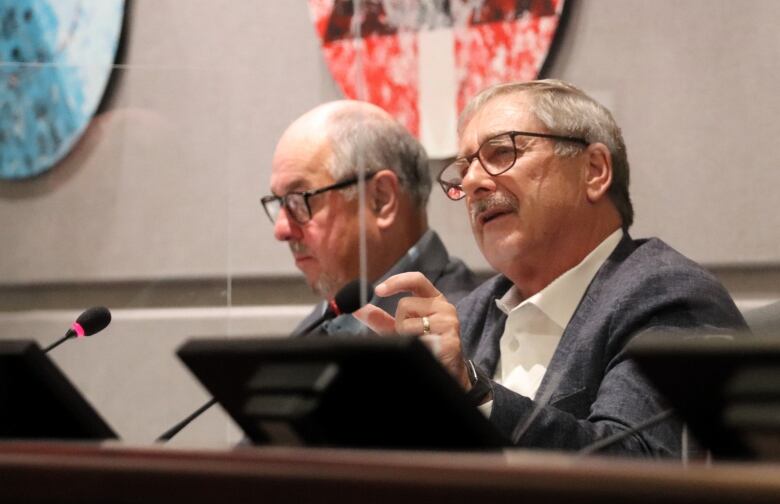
296, 204
271, 206
498, 154
451, 179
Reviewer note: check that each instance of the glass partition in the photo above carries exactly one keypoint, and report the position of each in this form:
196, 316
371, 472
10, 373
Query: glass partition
154, 208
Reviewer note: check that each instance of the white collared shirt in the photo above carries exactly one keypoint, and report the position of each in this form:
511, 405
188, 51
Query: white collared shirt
534, 326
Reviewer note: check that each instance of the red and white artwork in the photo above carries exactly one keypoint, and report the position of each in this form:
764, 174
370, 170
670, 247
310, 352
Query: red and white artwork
422, 60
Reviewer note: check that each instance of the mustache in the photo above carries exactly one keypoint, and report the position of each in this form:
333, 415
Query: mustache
497, 200
298, 248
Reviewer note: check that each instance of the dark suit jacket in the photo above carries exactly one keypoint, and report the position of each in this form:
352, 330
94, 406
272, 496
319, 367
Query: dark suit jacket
594, 390
429, 256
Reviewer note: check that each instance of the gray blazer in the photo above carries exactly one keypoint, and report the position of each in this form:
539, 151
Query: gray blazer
594, 390
428, 256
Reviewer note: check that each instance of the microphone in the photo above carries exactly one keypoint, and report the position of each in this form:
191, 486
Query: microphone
91, 321
346, 300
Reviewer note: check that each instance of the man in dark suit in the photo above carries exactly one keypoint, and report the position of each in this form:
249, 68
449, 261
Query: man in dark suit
315, 207
540, 347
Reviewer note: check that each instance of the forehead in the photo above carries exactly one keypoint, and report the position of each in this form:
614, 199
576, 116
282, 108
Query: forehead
500, 114
300, 162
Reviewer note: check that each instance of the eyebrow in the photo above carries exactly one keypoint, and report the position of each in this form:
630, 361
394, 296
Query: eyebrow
298, 185
481, 139
492, 133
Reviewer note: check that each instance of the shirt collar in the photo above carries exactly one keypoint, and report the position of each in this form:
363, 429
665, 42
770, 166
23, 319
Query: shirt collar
560, 298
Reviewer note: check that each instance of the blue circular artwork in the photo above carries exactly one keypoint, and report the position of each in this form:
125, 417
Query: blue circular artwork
56, 58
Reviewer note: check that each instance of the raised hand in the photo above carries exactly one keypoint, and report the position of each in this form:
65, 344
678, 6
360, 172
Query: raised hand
426, 313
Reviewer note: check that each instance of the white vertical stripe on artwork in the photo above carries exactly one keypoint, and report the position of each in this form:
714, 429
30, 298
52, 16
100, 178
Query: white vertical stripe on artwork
438, 92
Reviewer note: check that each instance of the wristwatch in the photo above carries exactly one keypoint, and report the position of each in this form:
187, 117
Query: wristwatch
481, 385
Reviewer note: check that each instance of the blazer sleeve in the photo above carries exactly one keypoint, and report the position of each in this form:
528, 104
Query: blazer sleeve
605, 393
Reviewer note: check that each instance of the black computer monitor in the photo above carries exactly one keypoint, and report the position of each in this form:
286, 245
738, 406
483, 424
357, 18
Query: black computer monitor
357, 392
37, 401
726, 390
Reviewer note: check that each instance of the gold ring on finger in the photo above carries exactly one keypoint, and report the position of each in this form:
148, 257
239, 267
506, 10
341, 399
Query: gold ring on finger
426, 323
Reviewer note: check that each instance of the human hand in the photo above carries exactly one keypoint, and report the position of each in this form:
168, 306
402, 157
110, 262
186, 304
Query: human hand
426, 302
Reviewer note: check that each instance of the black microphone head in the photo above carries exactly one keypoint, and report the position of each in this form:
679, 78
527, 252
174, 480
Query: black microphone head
347, 299
93, 320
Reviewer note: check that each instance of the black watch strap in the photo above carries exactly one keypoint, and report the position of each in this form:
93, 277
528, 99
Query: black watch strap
481, 385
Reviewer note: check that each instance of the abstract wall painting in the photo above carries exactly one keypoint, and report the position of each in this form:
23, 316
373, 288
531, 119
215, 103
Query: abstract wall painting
422, 60
56, 58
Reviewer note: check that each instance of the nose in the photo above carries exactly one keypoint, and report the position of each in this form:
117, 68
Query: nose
285, 228
477, 181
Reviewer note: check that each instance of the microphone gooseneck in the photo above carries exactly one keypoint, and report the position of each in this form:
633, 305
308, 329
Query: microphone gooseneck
91, 321
165, 436
347, 300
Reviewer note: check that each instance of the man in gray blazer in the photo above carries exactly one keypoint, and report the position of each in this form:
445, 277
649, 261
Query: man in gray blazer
315, 207
540, 347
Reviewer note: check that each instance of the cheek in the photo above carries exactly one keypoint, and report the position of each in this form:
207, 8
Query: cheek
558, 194
340, 246
312, 238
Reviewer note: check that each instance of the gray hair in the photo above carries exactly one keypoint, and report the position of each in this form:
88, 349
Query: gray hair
566, 110
365, 139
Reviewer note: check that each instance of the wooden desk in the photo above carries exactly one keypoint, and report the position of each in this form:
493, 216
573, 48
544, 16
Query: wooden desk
38, 472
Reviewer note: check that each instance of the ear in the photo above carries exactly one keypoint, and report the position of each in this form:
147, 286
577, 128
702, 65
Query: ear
598, 177
382, 197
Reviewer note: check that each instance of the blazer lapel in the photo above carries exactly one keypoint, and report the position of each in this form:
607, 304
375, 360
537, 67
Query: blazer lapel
567, 380
488, 354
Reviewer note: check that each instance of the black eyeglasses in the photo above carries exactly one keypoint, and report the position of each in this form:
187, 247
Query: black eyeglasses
297, 203
497, 154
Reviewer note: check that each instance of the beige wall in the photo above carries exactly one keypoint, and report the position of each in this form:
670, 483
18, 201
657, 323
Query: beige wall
165, 186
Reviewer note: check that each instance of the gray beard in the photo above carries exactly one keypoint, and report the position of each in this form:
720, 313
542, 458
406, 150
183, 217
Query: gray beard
326, 287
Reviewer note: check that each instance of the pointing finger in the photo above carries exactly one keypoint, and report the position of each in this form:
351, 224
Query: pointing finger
414, 282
